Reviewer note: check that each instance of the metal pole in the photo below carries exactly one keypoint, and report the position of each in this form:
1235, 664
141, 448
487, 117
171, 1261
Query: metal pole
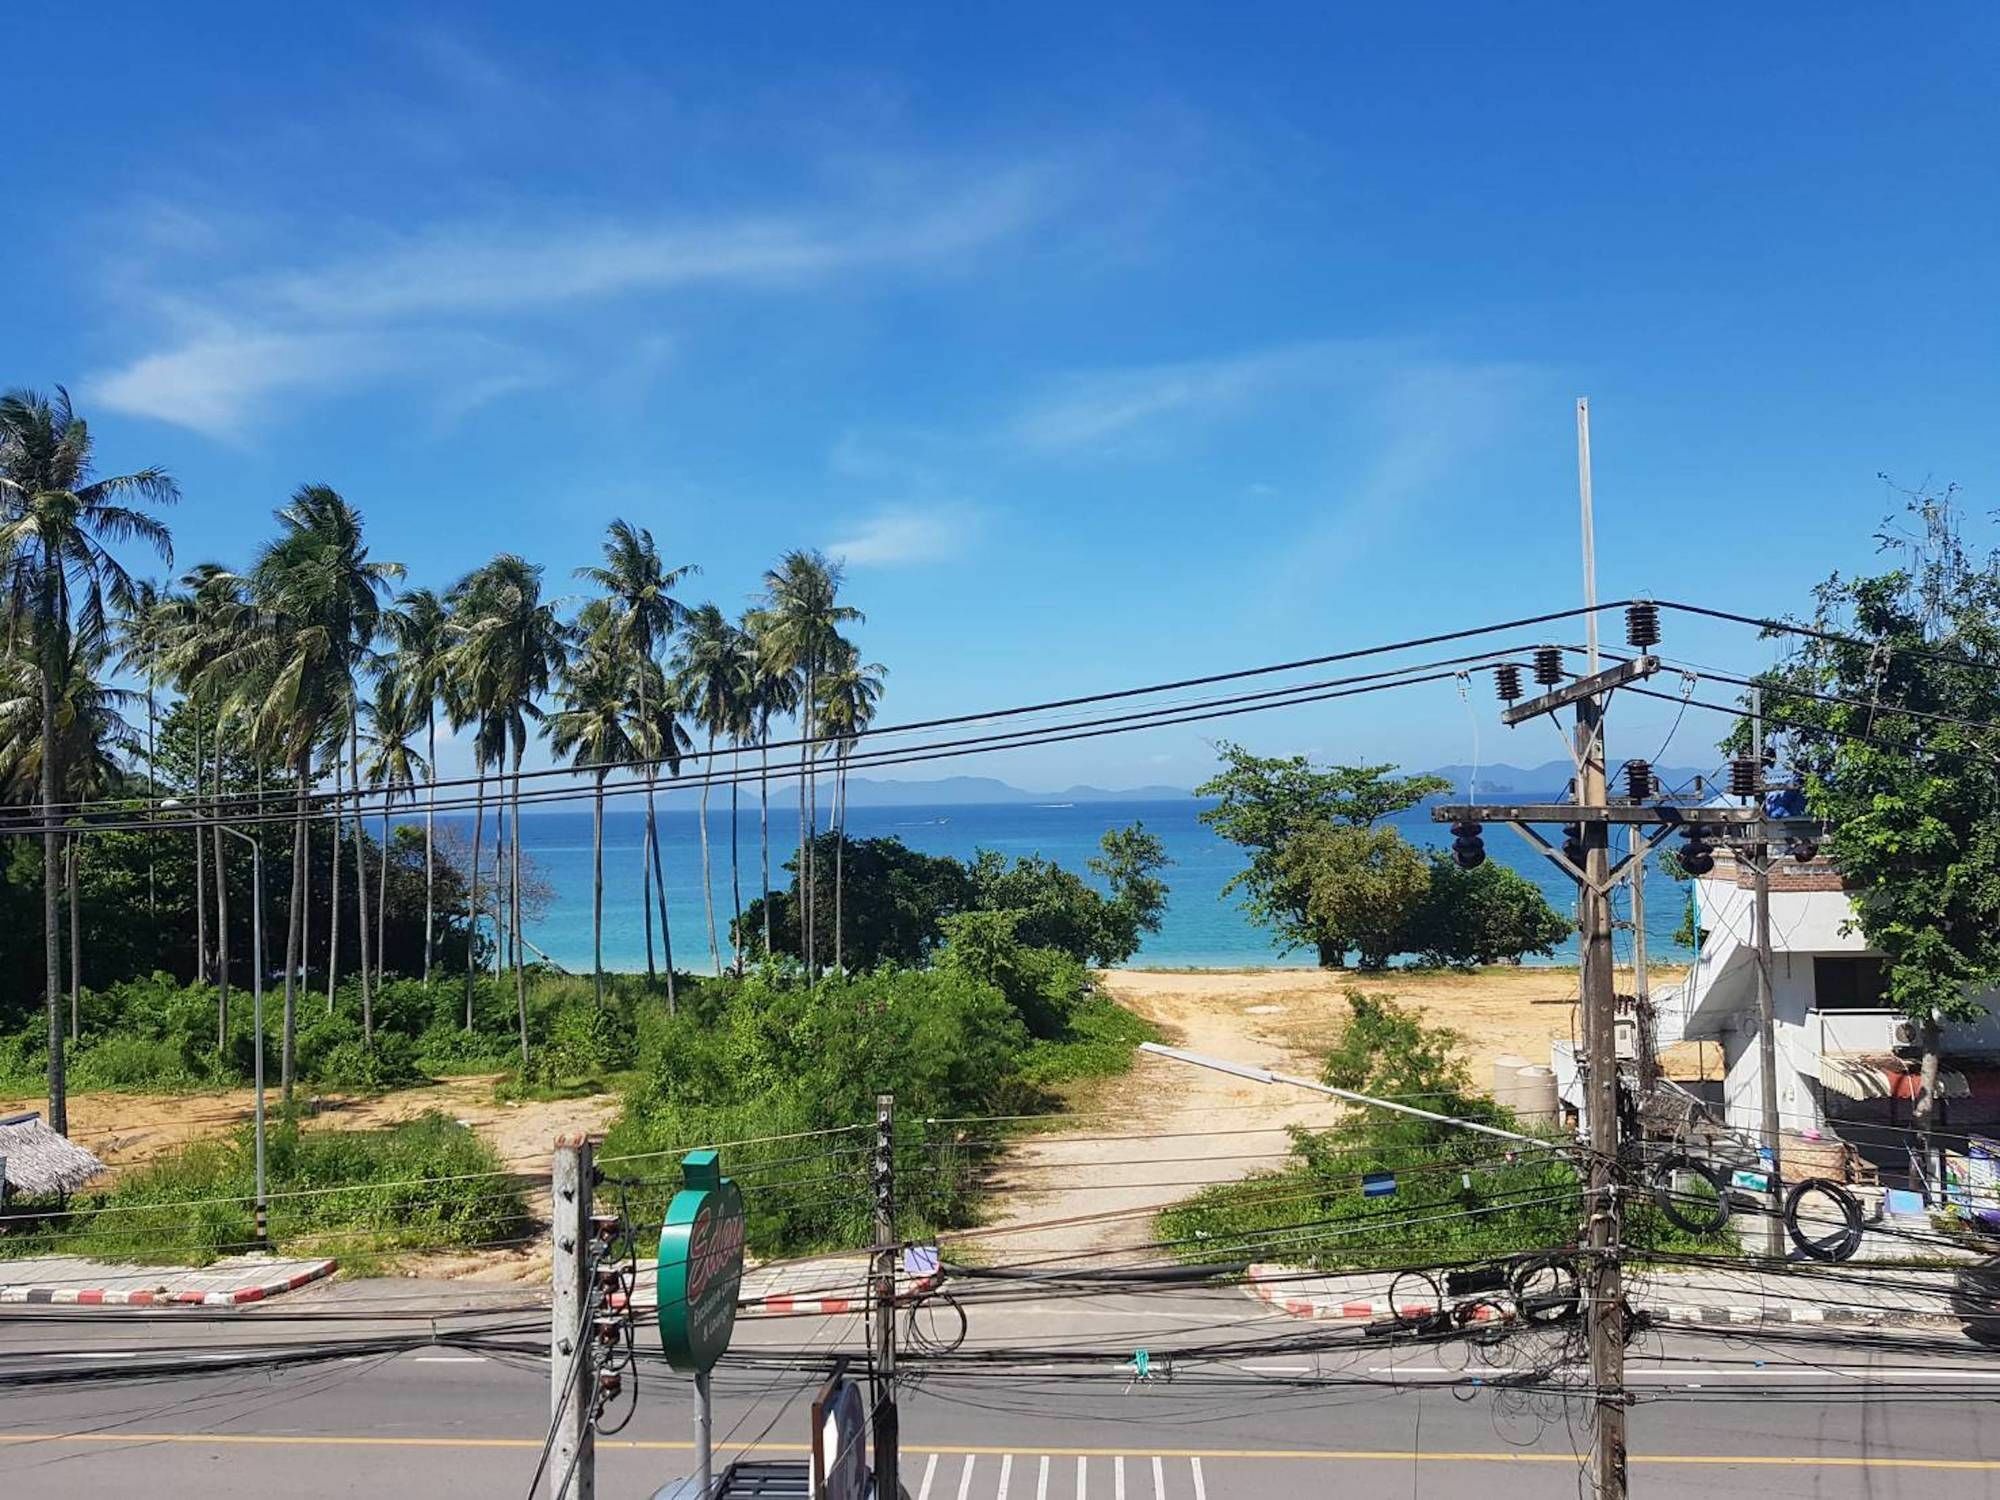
1767, 1025
1589, 529
884, 1298
572, 1352
704, 1430
1607, 1300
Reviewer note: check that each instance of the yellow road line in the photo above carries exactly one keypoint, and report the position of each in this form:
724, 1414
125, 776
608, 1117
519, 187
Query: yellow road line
1292, 1455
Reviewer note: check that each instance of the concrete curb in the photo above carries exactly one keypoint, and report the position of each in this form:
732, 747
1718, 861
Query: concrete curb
797, 1307
1369, 1310
162, 1296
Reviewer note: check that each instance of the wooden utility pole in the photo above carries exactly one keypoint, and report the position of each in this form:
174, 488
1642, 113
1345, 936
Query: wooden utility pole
1642, 985
572, 1349
883, 1298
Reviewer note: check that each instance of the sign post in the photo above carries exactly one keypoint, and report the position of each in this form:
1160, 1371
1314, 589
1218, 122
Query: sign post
701, 1271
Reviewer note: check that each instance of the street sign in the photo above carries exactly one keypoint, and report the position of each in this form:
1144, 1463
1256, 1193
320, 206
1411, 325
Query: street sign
701, 1265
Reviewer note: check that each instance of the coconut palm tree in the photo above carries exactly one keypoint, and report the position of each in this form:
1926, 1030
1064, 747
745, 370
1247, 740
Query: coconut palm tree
659, 742
57, 526
315, 600
590, 726
140, 632
419, 631
91, 736
389, 722
511, 646
801, 632
711, 685
772, 691
646, 615
848, 696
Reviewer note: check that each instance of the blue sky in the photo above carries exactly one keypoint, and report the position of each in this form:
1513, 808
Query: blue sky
1106, 343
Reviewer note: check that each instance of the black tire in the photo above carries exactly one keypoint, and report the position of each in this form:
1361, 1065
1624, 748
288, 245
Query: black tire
1975, 1297
1546, 1290
1839, 1245
1430, 1286
1686, 1211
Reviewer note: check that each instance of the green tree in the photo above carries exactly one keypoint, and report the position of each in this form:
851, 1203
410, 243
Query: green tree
772, 692
897, 902
848, 698
590, 727
57, 526
1128, 861
1481, 916
1363, 888
646, 614
419, 632
1264, 803
711, 685
1899, 767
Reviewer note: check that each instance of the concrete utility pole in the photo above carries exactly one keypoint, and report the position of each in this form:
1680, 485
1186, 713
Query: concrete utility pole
572, 1349
1767, 1022
1600, 1030
887, 1435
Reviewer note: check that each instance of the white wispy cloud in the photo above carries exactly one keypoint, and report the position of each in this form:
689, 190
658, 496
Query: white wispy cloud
903, 534
373, 315
1103, 409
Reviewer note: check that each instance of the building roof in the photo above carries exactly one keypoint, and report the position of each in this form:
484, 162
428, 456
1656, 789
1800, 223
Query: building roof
41, 1163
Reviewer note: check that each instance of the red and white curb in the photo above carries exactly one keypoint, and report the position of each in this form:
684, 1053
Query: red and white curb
163, 1296
798, 1307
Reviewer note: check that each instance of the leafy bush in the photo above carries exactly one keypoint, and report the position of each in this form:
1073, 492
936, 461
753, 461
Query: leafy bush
428, 1183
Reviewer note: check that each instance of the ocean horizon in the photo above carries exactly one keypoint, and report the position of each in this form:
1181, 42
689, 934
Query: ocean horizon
1202, 928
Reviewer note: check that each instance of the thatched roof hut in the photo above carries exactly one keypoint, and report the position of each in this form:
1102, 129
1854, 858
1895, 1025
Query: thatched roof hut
39, 1163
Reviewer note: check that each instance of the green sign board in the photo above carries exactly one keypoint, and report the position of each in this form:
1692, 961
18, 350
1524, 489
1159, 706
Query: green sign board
701, 1264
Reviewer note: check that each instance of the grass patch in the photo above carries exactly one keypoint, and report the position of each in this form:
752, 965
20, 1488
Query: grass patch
429, 1183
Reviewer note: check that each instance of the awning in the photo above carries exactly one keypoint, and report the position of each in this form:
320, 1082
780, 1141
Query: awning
1864, 1076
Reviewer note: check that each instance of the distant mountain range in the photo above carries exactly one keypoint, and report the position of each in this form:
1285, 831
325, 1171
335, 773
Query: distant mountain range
961, 791
1547, 779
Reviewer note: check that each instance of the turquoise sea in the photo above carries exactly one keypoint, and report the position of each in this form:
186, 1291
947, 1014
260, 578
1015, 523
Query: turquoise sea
1202, 929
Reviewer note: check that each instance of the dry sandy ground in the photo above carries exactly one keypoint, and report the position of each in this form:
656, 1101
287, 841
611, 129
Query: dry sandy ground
128, 1129
1165, 1129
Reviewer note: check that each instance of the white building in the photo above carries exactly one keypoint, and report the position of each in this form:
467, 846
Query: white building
1842, 1053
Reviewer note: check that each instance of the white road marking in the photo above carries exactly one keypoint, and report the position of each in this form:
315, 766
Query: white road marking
115, 1354
448, 1359
1082, 1476
1042, 1480
1159, 1480
1200, 1489
930, 1473
965, 1479
1281, 1369
1118, 1477
1006, 1473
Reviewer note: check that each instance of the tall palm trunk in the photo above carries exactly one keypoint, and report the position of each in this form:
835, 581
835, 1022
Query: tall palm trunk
802, 882
472, 902
75, 937
382, 895
839, 859
597, 890
221, 899
51, 882
646, 894
361, 878
152, 769
735, 864
333, 896
430, 840
295, 930
764, 823
200, 862
707, 884
514, 893
666, 932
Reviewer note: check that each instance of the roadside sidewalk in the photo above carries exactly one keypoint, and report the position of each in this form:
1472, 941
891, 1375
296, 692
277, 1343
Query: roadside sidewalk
1712, 1295
69, 1280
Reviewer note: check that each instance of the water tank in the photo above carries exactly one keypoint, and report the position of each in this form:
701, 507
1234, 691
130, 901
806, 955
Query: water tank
1535, 1094
1506, 1079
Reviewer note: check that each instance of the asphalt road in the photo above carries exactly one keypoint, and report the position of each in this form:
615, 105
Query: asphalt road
1061, 1417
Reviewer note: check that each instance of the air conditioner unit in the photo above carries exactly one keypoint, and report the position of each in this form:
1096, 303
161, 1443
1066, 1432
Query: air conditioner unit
1904, 1034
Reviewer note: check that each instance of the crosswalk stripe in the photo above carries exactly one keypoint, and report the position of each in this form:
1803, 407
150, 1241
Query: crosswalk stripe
1006, 1472
930, 1473
1159, 1480
1200, 1489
